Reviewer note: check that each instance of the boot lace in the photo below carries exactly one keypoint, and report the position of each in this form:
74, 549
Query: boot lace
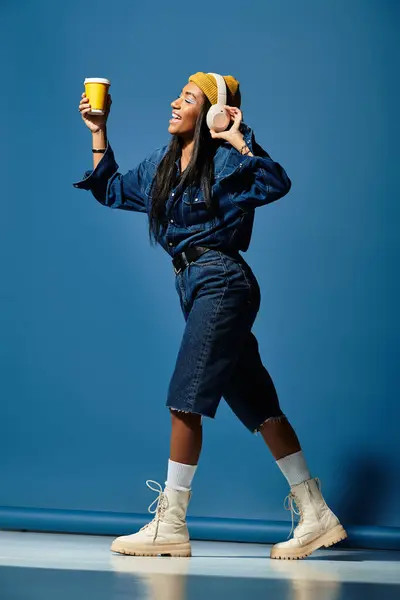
159, 510
291, 502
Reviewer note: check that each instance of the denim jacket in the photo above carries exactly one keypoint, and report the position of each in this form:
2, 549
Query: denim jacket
242, 183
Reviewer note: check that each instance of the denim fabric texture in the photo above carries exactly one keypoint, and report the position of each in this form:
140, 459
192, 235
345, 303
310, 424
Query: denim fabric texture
242, 183
218, 292
218, 356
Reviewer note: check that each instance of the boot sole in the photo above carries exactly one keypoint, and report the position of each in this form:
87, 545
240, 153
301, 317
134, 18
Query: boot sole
331, 537
153, 550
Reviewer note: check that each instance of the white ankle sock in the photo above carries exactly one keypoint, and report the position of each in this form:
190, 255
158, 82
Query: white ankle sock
180, 476
294, 468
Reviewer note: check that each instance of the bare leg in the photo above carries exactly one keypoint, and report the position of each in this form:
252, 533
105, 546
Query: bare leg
280, 438
186, 437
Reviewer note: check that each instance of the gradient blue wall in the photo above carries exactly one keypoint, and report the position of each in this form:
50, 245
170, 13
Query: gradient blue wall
90, 320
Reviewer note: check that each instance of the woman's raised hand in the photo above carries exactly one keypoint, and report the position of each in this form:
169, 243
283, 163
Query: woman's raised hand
94, 122
236, 117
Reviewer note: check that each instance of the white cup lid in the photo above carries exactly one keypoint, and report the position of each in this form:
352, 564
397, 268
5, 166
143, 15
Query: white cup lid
96, 80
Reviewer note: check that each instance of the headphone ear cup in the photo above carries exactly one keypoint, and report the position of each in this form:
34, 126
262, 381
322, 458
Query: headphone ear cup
218, 118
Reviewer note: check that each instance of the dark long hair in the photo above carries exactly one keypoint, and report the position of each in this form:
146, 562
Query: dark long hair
199, 172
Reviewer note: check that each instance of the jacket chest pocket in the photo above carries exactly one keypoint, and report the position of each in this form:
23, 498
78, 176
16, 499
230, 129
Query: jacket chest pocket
194, 210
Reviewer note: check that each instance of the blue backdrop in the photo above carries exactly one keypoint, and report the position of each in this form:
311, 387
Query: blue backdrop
90, 319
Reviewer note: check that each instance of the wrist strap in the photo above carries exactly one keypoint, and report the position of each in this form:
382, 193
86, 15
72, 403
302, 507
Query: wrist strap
102, 150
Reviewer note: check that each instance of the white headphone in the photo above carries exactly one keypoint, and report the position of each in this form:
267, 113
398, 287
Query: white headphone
218, 117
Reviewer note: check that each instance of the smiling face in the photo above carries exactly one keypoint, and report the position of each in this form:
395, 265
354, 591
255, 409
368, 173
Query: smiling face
186, 109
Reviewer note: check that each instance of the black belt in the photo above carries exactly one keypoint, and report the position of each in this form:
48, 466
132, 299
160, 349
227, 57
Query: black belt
181, 261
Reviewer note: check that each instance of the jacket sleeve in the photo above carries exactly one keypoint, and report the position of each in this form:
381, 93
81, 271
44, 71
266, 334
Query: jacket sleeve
259, 180
113, 189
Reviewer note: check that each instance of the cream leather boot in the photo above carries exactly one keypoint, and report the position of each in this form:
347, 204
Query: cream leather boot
318, 526
166, 534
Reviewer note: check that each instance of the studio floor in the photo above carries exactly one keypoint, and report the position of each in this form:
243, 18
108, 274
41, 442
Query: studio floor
41, 566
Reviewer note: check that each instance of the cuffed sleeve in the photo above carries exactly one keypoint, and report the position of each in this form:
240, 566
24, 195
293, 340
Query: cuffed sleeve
113, 189
262, 180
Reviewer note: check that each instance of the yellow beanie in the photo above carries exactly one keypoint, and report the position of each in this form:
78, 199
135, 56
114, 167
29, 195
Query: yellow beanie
209, 87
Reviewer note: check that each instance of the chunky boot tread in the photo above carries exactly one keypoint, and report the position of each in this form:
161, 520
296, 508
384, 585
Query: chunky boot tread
136, 553
328, 539
338, 534
156, 550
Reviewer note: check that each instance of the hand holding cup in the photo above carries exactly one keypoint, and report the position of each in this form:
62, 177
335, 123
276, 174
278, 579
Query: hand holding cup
95, 122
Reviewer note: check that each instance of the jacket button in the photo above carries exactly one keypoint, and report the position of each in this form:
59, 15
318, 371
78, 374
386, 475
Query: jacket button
171, 221
196, 199
173, 194
170, 244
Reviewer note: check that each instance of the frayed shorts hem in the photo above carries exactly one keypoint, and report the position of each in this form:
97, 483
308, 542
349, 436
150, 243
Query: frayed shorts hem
251, 428
191, 412
277, 419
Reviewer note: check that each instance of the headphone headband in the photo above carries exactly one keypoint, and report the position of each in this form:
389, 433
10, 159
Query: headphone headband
221, 88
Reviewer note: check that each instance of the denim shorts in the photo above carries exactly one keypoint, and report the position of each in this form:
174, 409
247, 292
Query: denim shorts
218, 356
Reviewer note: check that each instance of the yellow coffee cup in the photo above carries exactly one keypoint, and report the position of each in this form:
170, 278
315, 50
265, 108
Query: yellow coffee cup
96, 89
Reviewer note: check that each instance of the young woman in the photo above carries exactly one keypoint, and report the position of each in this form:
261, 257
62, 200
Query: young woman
200, 193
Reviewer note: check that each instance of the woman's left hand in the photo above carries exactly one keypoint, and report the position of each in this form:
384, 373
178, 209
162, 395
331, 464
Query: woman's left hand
236, 117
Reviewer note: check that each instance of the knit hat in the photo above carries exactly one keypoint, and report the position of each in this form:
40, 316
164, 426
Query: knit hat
208, 86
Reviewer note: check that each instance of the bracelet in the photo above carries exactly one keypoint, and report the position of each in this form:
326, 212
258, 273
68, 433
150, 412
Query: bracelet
102, 150
245, 153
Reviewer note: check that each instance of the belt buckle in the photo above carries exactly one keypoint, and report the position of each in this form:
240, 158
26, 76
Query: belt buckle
183, 255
